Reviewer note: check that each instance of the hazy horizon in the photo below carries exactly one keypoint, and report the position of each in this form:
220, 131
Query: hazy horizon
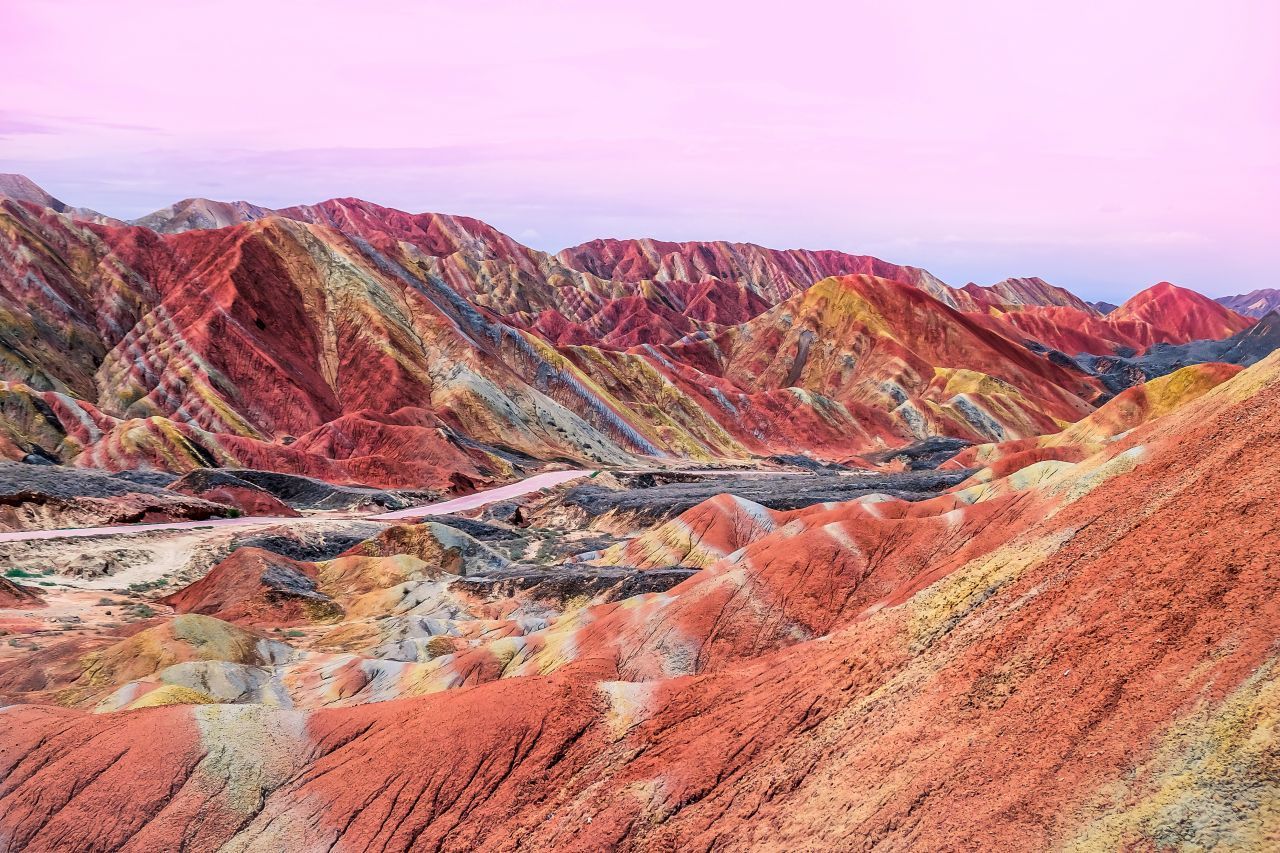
1102, 150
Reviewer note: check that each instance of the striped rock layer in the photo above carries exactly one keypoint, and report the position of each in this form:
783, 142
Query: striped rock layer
358, 343
1068, 654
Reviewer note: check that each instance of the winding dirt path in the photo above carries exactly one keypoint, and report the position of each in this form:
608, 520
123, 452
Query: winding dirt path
479, 499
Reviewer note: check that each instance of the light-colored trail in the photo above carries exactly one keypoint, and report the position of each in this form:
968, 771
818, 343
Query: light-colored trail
479, 499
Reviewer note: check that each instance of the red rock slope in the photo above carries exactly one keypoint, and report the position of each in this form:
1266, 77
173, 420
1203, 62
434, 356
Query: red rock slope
1088, 662
357, 343
1180, 315
1163, 313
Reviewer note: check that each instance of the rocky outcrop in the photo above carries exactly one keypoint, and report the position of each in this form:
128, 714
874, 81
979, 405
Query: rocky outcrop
37, 497
257, 587
224, 487
14, 595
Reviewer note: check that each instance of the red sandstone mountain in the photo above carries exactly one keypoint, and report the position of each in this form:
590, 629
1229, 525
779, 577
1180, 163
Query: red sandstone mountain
1163, 313
1177, 315
1016, 292
773, 274
1071, 647
358, 343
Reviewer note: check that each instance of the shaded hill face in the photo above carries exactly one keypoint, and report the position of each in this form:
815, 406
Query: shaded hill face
355, 343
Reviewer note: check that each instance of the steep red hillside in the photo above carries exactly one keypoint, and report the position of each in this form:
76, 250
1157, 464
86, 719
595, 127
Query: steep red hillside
1084, 663
1160, 314
1179, 315
1073, 331
876, 344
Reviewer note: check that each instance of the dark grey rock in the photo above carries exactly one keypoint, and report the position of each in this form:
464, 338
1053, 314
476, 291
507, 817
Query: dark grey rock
57, 481
776, 491
309, 493
569, 581
308, 544
1125, 369
924, 455
805, 463
159, 479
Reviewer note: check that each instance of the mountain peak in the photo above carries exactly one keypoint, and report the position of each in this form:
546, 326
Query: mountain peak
1255, 303
22, 188
1184, 312
200, 213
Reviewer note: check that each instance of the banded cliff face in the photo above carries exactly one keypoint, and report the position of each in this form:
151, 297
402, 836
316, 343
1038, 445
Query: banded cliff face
358, 343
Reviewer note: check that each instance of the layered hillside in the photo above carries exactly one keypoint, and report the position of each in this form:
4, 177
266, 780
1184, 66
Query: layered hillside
993, 569
357, 343
274, 344
896, 359
1069, 655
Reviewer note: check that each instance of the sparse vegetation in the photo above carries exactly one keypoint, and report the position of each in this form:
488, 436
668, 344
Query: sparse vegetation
147, 586
441, 646
17, 572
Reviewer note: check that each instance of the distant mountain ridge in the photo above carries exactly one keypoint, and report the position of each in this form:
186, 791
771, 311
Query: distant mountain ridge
359, 343
22, 188
1256, 303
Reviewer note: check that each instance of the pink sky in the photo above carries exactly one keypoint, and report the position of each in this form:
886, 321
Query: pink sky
1103, 148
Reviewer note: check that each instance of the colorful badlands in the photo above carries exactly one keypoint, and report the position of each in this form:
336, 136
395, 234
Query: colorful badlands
1072, 647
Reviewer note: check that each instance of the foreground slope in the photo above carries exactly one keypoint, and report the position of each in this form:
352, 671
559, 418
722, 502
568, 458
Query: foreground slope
1088, 661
